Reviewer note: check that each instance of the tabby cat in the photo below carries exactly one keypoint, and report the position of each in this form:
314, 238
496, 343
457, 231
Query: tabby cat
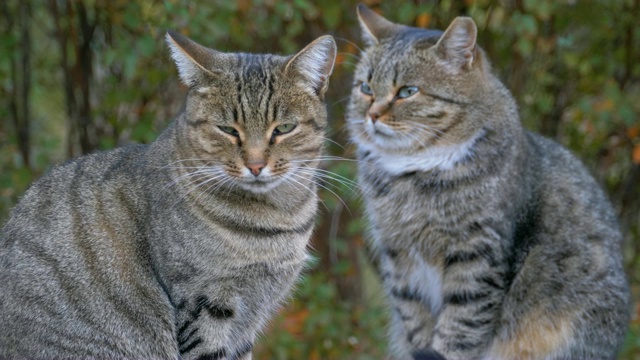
183, 248
492, 242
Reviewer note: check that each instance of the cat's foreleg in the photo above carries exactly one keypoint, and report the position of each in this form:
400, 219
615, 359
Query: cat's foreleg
207, 328
412, 303
473, 292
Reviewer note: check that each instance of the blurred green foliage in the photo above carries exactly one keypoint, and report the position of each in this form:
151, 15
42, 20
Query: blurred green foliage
82, 75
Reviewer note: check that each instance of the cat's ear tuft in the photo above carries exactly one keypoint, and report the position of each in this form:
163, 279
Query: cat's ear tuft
314, 64
457, 46
191, 58
374, 26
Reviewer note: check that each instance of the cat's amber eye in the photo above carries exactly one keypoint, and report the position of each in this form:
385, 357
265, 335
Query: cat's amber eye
283, 129
366, 89
407, 91
229, 130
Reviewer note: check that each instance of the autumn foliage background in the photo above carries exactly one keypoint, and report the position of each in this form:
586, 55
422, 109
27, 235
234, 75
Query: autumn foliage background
78, 76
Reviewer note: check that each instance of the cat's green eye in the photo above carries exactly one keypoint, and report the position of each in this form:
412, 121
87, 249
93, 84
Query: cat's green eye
407, 91
283, 129
366, 89
229, 130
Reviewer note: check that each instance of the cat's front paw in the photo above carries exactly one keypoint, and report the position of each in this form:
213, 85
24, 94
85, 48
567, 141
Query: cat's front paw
427, 355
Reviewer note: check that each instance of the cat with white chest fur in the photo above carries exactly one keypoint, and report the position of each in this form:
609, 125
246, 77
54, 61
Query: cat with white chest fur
492, 242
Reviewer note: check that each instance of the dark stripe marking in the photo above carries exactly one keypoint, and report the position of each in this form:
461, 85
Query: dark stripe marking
181, 305
441, 98
486, 307
427, 355
483, 250
392, 253
460, 257
184, 327
474, 324
259, 230
184, 339
218, 354
465, 297
415, 332
219, 312
465, 345
488, 280
191, 346
406, 294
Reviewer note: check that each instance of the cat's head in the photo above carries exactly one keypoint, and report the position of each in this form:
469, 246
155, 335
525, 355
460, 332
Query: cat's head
416, 89
252, 121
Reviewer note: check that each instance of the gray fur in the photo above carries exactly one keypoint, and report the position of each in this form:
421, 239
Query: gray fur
492, 242
174, 250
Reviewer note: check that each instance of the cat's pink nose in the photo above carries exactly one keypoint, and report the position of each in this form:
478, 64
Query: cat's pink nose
256, 167
374, 116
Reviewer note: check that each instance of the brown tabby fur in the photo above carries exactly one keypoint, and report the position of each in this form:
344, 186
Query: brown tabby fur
183, 248
492, 242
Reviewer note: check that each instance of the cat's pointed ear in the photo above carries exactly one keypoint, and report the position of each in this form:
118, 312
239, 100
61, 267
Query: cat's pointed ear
374, 27
314, 64
457, 46
191, 58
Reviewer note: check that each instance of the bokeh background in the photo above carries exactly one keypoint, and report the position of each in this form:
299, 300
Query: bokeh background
78, 76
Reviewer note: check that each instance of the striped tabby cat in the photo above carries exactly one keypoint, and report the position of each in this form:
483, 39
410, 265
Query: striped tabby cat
492, 242
183, 248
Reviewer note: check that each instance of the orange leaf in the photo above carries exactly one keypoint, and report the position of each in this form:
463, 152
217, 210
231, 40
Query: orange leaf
423, 20
633, 132
294, 321
635, 155
603, 105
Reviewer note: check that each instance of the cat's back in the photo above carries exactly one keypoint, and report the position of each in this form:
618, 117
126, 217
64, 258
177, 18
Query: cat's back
71, 260
568, 196
60, 198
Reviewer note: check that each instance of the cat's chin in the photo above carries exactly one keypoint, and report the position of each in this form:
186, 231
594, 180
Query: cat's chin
259, 186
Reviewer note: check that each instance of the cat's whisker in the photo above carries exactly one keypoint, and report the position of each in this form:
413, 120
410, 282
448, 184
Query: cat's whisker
293, 181
182, 161
322, 186
350, 43
212, 188
424, 129
198, 173
328, 181
352, 55
425, 126
347, 62
199, 183
339, 101
339, 178
325, 158
333, 142
287, 178
415, 138
177, 180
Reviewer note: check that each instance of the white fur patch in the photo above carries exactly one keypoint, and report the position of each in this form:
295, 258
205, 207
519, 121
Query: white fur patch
427, 280
315, 62
187, 69
204, 90
435, 157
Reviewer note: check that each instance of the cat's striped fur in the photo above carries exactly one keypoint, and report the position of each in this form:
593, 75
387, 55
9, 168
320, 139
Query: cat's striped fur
492, 242
183, 248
